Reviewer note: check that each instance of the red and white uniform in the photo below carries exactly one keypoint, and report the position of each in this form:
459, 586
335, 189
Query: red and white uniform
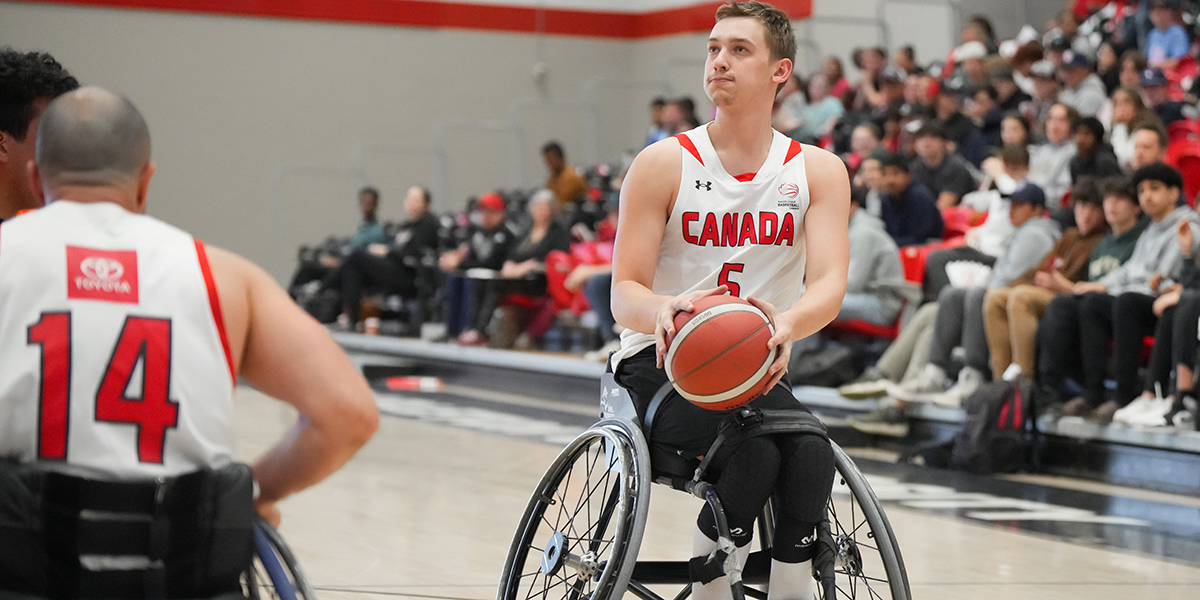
745, 231
113, 357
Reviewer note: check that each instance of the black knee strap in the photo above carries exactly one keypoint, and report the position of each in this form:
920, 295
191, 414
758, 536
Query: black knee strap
746, 423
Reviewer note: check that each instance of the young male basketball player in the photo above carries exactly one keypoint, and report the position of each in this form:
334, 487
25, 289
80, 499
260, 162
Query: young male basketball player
736, 207
122, 337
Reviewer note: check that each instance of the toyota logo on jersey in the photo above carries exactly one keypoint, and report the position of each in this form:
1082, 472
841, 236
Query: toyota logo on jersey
108, 275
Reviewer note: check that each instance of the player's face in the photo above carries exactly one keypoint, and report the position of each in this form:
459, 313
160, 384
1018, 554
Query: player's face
739, 64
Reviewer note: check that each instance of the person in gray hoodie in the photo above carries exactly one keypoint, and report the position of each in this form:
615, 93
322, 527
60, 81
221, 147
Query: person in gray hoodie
875, 273
960, 313
1119, 308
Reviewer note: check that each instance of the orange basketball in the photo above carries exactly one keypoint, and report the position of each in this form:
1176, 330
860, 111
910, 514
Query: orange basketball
719, 357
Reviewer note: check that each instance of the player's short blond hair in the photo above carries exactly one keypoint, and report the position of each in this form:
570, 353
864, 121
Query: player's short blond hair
777, 27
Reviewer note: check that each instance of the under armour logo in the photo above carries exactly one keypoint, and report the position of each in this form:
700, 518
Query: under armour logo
707, 185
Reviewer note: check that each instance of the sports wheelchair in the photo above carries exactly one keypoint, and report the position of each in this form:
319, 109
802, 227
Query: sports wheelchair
579, 536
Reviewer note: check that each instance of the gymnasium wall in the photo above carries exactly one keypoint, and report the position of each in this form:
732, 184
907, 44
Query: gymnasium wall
264, 127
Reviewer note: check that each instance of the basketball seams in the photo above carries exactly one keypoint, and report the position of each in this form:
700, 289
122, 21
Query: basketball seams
704, 316
691, 327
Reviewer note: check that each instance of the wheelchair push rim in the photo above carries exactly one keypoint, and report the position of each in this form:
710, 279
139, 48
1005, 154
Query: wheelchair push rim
581, 529
274, 572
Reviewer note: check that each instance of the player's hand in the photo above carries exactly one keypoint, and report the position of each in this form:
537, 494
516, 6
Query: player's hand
781, 342
664, 323
268, 511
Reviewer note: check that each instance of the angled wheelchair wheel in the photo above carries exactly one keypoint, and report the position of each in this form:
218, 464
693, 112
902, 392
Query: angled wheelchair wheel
867, 561
274, 573
578, 538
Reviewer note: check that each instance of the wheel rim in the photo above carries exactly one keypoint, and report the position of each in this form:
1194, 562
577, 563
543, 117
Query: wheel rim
859, 568
576, 530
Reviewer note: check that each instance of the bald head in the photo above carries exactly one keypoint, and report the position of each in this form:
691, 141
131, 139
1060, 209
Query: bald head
92, 137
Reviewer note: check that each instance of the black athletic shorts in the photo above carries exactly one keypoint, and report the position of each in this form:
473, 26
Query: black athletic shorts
680, 424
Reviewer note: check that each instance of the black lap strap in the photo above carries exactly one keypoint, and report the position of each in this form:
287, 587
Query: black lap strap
748, 422
652, 408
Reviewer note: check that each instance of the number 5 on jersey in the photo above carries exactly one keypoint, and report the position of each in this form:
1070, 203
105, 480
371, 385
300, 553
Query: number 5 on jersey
143, 340
723, 278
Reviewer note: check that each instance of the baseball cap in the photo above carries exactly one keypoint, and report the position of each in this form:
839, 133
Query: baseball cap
970, 50
1153, 76
1075, 60
1060, 43
1043, 69
491, 201
1030, 193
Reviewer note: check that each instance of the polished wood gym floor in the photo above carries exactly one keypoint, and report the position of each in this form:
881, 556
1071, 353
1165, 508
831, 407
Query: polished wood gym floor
426, 510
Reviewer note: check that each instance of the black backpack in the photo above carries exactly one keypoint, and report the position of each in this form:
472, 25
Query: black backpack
830, 365
996, 436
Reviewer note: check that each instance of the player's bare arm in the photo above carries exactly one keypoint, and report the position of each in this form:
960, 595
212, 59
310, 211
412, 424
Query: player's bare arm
828, 258
647, 197
286, 354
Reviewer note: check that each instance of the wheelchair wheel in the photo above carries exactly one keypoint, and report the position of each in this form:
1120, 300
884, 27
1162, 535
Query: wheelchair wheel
579, 536
867, 561
274, 574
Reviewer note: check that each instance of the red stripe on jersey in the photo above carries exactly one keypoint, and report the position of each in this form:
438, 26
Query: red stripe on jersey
744, 177
687, 144
214, 302
793, 150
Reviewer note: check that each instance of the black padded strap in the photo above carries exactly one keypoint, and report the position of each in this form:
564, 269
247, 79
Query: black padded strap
747, 422
652, 408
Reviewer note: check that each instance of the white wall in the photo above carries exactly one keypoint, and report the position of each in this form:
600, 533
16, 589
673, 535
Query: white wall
239, 107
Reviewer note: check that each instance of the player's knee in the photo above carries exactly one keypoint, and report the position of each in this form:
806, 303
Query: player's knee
795, 541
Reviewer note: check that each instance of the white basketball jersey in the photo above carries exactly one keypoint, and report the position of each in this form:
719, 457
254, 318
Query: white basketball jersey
744, 231
115, 363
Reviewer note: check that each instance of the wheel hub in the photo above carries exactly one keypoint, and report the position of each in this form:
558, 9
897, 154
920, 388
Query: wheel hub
553, 555
556, 555
848, 556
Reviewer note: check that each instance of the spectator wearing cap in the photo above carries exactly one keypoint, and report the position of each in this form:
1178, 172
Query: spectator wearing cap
1168, 41
947, 107
909, 210
1093, 157
1082, 88
484, 245
1119, 307
1149, 145
875, 274
1050, 162
1009, 95
1011, 313
1043, 96
960, 310
1154, 85
970, 59
822, 113
940, 170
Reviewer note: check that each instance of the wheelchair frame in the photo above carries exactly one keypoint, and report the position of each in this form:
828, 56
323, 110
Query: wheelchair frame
275, 572
604, 556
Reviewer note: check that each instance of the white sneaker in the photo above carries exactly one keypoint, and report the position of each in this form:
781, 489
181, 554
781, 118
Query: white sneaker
1012, 373
969, 380
928, 384
1131, 413
1156, 415
1186, 418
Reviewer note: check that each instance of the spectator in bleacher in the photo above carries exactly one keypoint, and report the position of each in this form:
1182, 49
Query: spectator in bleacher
905, 59
1082, 88
835, 76
870, 177
1011, 313
870, 63
821, 113
1043, 97
864, 139
947, 112
908, 209
1119, 307
1108, 67
596, 283
656, 133
1167, 42
523, 273
1128, 112
875, 270
369, 231
485, 244
1009, 95
938, 168
960, 310
1154, 86
567, 185
1093, 157
1022, 65
1050, 162
673, 118
969, 57
1015, 130
390, 265
981, 108
1149, 145
1133, 63
790, 104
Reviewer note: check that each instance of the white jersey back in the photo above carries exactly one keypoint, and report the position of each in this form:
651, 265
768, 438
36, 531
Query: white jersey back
115, 360
745, 231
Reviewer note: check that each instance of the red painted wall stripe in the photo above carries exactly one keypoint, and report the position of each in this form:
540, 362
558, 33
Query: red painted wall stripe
214, 303
455, 15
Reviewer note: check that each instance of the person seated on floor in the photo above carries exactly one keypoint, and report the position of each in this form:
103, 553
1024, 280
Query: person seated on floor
523, 273
909, 210
939, 168
369, 231
875, 271
1119, 307
391, 266
484, 245
1175, 342
960, 313
1011, 313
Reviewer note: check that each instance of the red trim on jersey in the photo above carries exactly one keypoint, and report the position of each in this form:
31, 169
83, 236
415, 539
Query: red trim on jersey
793, 150
214, 302
744, 177
687, 144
